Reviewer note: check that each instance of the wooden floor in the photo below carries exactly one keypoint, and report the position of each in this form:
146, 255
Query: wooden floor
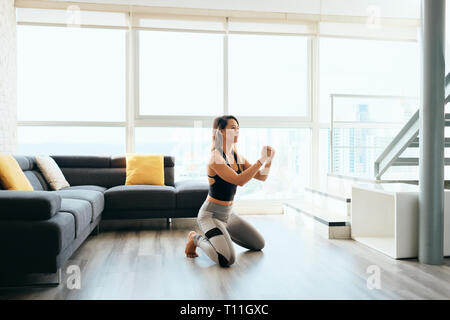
147, 261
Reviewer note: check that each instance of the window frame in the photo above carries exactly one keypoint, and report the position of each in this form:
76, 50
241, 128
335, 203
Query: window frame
133, 117
247, 121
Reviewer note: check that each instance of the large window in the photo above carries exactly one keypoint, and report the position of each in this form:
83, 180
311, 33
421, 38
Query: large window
180, 73
189, 74
268, 75
373, 87
70, 74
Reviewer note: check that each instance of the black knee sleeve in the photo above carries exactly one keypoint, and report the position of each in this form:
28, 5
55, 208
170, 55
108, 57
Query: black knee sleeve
223, 261
213, 232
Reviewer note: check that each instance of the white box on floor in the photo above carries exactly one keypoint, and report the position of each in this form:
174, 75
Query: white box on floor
385, 217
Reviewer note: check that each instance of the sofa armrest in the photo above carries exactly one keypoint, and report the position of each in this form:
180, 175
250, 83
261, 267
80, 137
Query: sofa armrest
28, 205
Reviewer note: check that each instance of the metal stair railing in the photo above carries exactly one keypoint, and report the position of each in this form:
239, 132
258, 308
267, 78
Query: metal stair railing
400, 142
407, 137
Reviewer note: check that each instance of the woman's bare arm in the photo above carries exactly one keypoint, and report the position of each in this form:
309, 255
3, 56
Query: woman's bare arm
261, 174
218, 164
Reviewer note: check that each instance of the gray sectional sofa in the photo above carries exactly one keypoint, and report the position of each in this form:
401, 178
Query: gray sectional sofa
41, 229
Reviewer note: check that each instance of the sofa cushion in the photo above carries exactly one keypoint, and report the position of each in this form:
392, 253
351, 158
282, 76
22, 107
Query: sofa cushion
11, 175
32, 172
95, 198
90, 170
81, 211
82, 161
139, 197
105, 177
145, 169
28, 205
86, 187
52, 173
191, 194
169, 169
37, 180
41, 237
25, 162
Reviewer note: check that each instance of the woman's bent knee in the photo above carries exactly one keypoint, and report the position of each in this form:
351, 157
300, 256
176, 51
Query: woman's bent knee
224, 262
259, 245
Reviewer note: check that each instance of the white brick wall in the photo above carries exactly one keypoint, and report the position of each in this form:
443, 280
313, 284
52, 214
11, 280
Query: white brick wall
8, 76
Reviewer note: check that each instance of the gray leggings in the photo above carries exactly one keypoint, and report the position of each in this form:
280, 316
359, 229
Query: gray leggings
220, 226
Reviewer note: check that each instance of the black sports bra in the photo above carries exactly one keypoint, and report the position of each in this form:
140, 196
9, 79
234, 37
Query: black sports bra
221, 189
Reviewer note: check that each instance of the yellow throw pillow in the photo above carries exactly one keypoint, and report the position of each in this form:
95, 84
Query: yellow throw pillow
11, 176
145, 169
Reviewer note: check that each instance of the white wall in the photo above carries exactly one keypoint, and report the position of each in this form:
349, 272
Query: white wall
8, 76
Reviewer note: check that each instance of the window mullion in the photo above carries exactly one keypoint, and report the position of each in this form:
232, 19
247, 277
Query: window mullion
225, 69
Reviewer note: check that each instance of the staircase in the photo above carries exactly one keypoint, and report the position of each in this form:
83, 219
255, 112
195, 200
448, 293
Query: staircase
327, 210
408, 137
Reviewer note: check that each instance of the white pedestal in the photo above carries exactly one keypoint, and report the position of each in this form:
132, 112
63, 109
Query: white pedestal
385, 217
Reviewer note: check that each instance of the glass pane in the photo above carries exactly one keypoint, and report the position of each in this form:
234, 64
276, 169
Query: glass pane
268, 75
180, 73
367, 67
374, 109
290, 172
70, 74
356, 149
324, 156
71, 140
291, 169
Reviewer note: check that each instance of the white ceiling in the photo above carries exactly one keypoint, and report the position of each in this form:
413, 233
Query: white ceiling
383, 8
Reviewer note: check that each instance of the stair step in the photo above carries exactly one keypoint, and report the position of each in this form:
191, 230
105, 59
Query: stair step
414, 162
326, 217
327, 194
415, 143
330, 227
326, 200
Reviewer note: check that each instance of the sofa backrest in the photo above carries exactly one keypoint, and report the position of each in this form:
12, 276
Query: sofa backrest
88, 170
104, 171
